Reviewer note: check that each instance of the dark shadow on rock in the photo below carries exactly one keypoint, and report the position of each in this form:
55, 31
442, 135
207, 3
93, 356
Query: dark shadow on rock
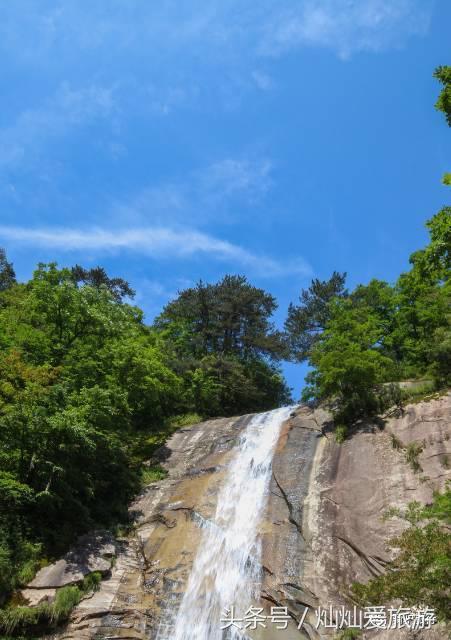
380, 423
327, 428
161, 454
135, 514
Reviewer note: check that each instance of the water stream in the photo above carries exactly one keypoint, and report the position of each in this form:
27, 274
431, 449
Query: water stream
227, 568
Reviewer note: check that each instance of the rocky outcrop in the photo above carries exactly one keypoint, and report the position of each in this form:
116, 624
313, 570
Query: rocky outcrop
331, 532
323, 527
92, 553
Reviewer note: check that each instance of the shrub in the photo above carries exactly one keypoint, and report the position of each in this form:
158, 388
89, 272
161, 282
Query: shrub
184, 420
66, 599
413, 450
396, 442
91, 582
152, 474
341, 433
420, 572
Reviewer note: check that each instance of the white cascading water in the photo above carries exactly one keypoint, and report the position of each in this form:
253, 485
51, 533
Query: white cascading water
227, 568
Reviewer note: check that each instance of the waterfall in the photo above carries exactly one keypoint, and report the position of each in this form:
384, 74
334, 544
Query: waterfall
227, 568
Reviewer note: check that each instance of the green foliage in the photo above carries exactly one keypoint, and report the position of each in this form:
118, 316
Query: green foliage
413, 450
16, 620
421, 571
91, 582
227, 386
379, 334
421, 391
230, 317
341, 433
348, 369
440, 508
7, 275
306, 321
98, 277
443, 104
435, 260
152, 474
79, 375
224, 346
19, 620
185, 420
66, 599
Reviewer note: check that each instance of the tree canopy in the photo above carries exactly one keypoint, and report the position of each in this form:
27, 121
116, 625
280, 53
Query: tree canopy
443, 104
85, 385
7, 274
231, 317
224, 344
306, 321
443, 75
378, 333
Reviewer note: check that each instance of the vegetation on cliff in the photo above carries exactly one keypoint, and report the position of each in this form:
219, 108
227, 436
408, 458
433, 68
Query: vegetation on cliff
421, 570
357, 342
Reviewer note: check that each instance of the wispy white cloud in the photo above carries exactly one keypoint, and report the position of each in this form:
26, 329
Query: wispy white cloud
227, 30
222, 46
153, 293
155, 242
231, 176
204, 194
262, 80
346, 27
67, 109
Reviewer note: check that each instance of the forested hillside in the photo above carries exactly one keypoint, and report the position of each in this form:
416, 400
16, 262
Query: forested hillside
87, 389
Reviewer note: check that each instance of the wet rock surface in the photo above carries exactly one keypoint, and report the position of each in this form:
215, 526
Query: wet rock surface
285, 547
322, 531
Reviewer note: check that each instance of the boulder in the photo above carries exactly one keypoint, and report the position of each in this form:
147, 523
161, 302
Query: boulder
34, 597
93, 552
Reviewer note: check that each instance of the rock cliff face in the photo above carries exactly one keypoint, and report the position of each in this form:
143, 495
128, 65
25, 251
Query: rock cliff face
326, 526
322, 530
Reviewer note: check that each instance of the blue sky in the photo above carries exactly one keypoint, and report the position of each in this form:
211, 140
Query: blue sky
170, 141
